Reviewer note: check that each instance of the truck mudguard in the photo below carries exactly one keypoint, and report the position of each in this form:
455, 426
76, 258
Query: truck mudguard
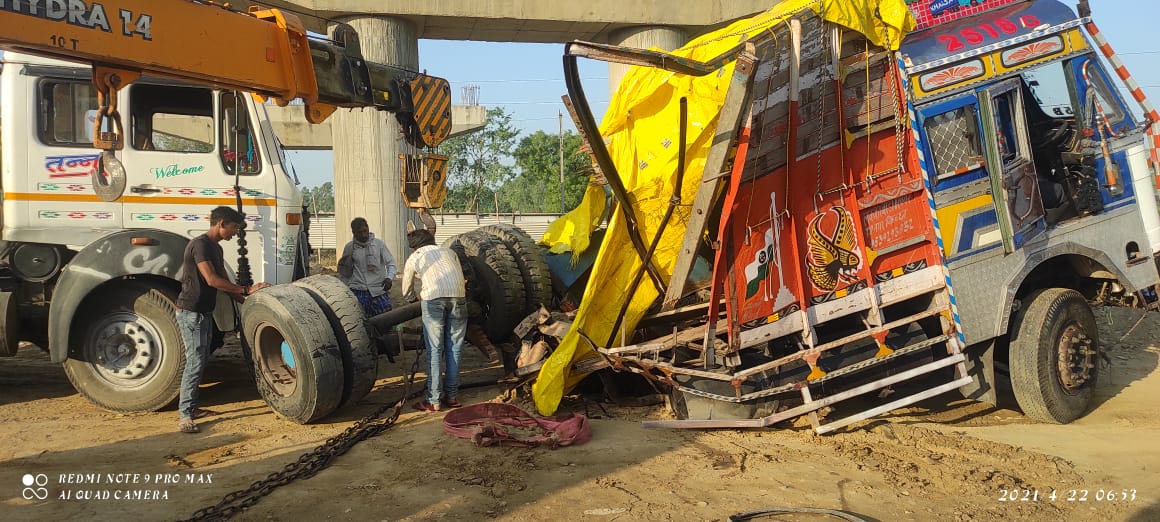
120, 254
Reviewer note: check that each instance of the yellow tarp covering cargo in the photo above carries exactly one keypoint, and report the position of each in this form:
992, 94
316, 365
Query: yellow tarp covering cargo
641, 128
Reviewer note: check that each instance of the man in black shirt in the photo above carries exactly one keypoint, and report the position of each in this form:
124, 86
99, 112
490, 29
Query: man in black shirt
203, 273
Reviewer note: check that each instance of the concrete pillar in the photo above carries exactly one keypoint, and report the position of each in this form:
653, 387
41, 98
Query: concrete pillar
643, 37
367, 144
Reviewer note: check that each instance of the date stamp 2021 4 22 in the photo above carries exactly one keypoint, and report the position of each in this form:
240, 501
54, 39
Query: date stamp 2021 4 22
1067, 495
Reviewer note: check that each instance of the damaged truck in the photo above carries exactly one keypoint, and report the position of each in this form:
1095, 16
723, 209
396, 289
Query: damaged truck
824, 201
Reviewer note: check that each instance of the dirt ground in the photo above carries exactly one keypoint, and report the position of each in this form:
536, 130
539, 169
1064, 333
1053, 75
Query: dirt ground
937, 461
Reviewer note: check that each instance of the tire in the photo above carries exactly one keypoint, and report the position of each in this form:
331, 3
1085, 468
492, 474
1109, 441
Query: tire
297, 360
10, 329
530, 259
130, 355
473, 291
498, 283
302, 254
1052, 322
360, 360
689, 406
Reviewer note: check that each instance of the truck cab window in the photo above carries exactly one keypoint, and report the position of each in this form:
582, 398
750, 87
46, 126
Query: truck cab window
1100, 102
239, 145
171, 118
1004, 107
68, 108
954, 141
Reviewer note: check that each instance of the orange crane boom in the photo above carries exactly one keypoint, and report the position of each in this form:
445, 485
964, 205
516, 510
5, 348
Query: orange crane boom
266, 52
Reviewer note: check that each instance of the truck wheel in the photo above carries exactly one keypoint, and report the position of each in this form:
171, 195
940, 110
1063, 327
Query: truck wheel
360, 360
530, 259
498, 282
10, 315
687, 405
297, 361
1054, 355
302, 255
131, 355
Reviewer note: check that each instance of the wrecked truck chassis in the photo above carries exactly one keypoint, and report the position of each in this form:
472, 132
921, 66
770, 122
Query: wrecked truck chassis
647, 359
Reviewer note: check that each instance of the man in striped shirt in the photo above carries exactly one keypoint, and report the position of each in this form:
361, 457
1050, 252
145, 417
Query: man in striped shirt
442, 288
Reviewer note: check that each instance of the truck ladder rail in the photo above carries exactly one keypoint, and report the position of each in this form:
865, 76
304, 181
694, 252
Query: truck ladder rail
789, 387
814, 405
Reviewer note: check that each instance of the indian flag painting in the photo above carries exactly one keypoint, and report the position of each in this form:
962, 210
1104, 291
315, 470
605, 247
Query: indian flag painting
757, 271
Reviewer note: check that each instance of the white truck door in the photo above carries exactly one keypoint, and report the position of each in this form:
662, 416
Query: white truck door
180, 159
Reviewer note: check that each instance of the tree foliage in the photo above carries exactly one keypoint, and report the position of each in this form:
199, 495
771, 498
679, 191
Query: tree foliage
479, 164
320, 198
537, 187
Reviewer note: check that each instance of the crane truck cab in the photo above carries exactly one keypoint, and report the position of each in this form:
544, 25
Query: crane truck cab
90, 270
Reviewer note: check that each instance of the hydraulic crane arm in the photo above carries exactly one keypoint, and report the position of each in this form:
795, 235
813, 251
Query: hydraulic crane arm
267, 52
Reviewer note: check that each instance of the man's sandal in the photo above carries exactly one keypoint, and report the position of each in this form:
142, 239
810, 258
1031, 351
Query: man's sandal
188, 426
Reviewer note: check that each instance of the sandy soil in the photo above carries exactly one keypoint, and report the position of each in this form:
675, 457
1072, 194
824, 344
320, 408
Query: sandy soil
937, 461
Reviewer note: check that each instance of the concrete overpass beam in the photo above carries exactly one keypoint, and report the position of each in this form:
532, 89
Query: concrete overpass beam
367, 143
643, 37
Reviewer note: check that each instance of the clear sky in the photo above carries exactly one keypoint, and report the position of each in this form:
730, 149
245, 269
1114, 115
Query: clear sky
528, 79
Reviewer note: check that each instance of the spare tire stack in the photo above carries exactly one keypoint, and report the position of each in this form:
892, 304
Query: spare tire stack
506, 273
494, 281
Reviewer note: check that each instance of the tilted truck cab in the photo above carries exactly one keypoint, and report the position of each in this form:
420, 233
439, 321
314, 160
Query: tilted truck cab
878, 205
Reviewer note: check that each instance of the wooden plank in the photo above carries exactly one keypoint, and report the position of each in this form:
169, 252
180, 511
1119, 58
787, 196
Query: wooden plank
733, 113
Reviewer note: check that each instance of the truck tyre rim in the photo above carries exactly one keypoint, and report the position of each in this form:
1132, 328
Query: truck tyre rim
1076, 358
276, 362
125, 349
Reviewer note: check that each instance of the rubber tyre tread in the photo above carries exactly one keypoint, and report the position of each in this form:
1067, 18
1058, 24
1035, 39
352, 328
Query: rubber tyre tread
1035, 331
155, 305
474, 293
294, 314
689, 406
10, 329
500, 283
533, 265
302, 256
360, 358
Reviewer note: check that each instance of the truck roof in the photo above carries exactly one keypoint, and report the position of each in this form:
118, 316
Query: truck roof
32, 59
981, 33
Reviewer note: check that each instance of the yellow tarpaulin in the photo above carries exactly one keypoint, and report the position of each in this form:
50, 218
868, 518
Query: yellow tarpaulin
642, 131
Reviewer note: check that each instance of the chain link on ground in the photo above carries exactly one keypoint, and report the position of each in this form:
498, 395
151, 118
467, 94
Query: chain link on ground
309, 464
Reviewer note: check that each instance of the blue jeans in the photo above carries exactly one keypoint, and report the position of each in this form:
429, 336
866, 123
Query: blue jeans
196, 329
444, 327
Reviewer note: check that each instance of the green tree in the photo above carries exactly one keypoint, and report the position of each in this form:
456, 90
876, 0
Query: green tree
476, 168
537, 187
320, 198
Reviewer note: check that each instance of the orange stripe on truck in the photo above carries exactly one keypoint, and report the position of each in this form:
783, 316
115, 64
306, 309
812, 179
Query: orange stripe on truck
152, 200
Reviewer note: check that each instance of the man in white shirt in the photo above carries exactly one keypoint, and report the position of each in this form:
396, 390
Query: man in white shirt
368, 268
442, 288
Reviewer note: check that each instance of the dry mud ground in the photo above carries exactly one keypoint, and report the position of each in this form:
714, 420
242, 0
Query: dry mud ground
938, 461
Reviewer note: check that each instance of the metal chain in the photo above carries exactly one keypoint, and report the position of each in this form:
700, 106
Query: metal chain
892, 70
309, 464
